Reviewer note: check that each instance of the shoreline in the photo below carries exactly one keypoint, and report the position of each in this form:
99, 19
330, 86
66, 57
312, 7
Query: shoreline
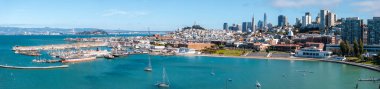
260, 58
367, 66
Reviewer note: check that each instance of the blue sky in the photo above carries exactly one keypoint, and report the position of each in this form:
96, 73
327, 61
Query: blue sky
168, 14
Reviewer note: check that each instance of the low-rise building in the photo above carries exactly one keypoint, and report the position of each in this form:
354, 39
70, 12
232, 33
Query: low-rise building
285, 47
313, 52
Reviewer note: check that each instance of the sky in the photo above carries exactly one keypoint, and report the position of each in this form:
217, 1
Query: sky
168, 15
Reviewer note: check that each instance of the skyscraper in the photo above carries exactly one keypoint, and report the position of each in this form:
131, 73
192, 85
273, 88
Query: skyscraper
331, 18
323, 23
352, 29
265, 20
225, 26
260, 24
282, 20
373, 35
298, 22
245, 27
249, 27
239, 28
306, 20
253, 28
318, 19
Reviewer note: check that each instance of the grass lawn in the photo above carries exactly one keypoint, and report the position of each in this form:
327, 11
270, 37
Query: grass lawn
228, 52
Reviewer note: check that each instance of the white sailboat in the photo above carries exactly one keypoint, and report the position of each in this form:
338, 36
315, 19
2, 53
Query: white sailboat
149, 67
212, 72
165, 80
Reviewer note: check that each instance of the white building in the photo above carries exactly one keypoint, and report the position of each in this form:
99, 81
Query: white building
306, 20
313, 52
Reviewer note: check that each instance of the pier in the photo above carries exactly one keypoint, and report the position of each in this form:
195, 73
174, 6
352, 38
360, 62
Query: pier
60, 46
48, 67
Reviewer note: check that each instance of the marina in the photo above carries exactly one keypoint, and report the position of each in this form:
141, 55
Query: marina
127, 71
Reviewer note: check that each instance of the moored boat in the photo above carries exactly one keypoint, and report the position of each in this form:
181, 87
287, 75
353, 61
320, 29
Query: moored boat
79, 59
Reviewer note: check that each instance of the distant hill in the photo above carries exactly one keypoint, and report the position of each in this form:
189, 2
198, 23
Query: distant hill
52, 31
95, 32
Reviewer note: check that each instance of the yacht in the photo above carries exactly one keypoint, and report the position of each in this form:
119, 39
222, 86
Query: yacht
165, 80
149, 67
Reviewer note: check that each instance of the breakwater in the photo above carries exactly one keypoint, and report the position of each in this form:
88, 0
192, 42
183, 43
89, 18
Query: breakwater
20, 67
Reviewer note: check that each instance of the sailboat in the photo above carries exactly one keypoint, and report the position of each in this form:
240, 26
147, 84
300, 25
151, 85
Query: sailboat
212, 72
149, 67
165, 80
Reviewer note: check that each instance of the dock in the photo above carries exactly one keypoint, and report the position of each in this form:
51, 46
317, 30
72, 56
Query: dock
47, 67
60, 46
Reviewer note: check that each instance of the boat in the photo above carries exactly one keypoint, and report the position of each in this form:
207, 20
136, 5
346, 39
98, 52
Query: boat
165, 80
258, 85
109, 56
212, 72
118, 53
149, 67
370, 79
79, 59
39, 60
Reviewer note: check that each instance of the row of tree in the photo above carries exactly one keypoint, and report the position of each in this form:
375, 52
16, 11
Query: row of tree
347, 50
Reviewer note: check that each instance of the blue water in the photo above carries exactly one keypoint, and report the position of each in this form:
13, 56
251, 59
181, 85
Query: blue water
184, 72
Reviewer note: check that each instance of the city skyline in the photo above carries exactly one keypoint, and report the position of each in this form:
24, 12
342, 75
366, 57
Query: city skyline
169, 15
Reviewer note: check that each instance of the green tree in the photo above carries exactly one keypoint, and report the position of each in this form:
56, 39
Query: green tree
343, 48
361, 47
356, 48
349, 48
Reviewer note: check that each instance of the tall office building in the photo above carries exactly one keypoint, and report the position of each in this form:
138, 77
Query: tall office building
318, 19
249, 27
331, 18
265, 20
245, 27
306, 20
352, 29
373, 32
253, 28
225, 26
260, 24
282, 20
323, 21
233, 27
298, 22
239, 28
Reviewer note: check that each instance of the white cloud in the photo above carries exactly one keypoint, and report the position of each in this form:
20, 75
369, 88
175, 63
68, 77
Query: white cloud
370, 6
304, 3
116, 12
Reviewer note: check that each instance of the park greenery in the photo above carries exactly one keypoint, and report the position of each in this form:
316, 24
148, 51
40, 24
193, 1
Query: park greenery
355, 53
221, 50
